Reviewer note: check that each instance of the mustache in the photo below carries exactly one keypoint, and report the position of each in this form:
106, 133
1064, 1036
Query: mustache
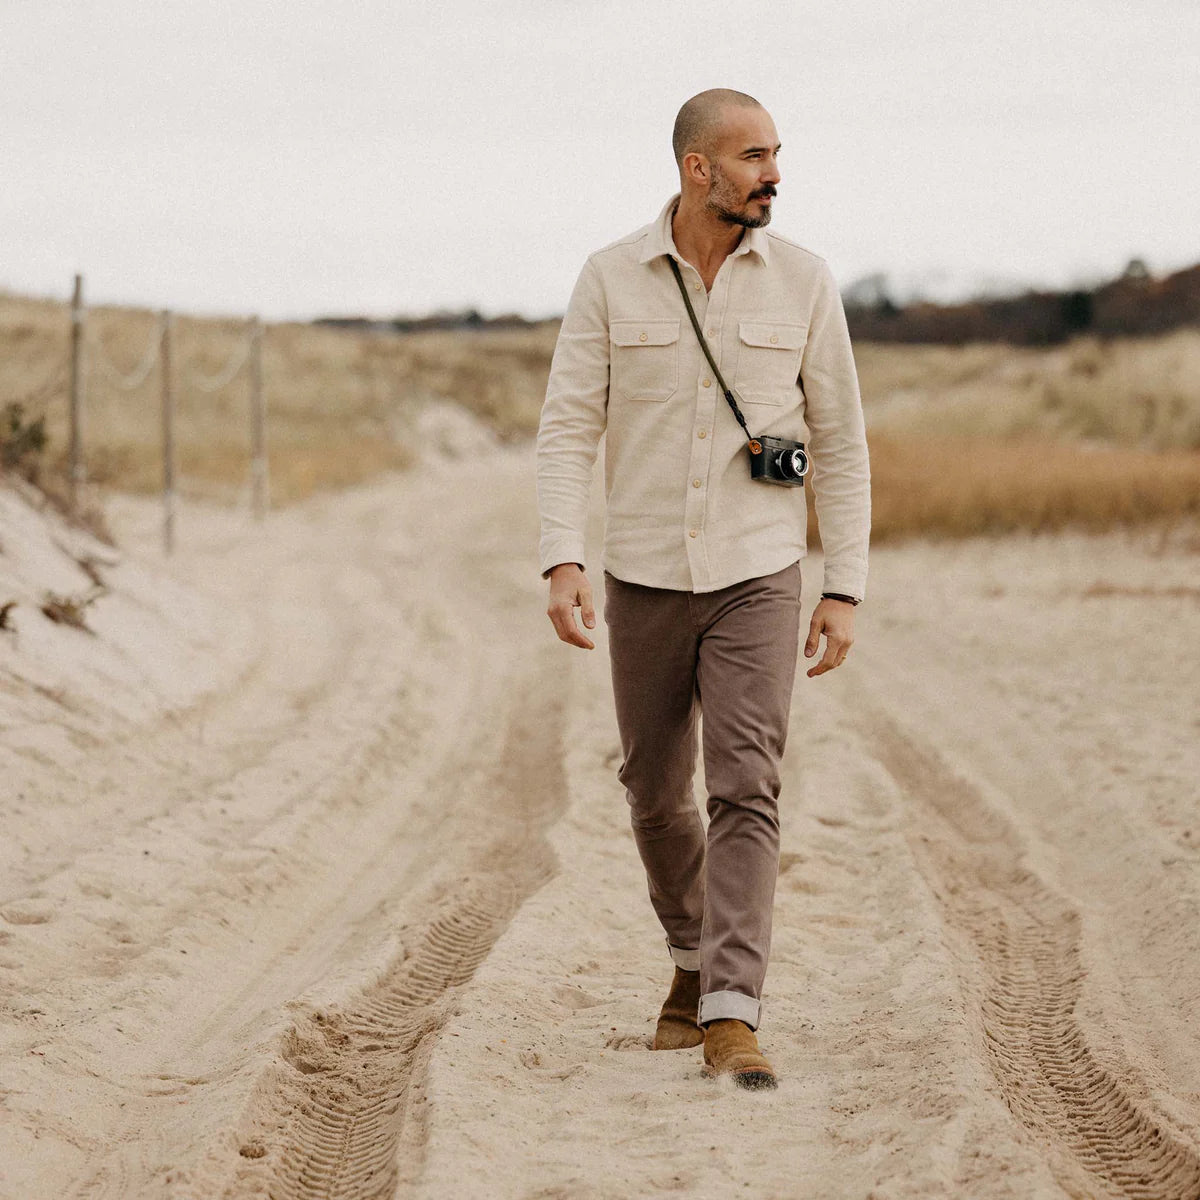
766, 190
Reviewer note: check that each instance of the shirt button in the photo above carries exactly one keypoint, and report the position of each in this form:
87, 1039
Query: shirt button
774, 338
695, 483
708, 383
712, 333
702, 434
641, 337
691, 533
696, 286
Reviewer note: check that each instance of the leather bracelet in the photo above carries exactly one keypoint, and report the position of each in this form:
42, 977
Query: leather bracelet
839, 596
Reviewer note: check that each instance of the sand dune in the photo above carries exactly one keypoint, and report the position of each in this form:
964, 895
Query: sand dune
317, 881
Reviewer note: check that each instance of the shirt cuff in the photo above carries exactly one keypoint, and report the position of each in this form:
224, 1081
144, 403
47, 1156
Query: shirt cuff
560, 550
844, 581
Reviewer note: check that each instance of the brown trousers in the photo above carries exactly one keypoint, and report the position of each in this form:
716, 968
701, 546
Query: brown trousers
731, 654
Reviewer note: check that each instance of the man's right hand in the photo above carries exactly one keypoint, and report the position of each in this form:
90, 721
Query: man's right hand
569, 590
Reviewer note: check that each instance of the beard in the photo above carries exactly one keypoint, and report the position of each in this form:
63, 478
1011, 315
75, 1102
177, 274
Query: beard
726, 204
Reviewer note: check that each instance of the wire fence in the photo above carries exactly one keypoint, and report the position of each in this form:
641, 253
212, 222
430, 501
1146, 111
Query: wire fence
228, 373
89, 361
134, 380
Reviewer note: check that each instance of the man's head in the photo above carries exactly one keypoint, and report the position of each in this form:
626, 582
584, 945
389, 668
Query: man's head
726, 145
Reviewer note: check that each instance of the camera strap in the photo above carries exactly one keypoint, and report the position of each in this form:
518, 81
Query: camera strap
755, 445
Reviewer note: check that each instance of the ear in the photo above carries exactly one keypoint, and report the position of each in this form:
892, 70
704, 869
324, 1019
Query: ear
696, 168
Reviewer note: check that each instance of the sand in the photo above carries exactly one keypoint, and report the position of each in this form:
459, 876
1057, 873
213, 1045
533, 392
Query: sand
316, 880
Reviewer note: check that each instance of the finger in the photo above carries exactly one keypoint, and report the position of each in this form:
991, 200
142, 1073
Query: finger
829, 660
814, 637
589, 613
562, 614
559, 614
841, 650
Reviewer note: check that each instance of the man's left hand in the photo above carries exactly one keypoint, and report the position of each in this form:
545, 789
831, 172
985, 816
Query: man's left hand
834, 619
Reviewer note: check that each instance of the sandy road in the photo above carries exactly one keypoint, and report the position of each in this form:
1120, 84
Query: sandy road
984, 979
351, 908
340, 808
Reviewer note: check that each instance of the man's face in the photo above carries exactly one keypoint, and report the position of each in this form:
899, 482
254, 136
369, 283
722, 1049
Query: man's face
745, 169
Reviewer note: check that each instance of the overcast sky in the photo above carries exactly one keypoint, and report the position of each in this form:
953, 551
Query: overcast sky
304, 157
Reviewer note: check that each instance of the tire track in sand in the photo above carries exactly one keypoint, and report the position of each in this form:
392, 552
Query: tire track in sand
340, 1117
1026, 937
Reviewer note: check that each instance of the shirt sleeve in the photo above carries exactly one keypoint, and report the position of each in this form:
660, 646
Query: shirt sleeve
573, 419
841, 476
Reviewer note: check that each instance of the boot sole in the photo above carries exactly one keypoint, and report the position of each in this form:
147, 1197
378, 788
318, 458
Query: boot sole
753, 1080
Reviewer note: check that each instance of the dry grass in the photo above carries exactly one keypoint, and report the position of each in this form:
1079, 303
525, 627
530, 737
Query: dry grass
988, 439
1137, 392
342, 405
975, 439
962, 486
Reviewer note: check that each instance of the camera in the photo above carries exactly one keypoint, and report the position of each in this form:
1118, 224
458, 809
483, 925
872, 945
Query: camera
778, 460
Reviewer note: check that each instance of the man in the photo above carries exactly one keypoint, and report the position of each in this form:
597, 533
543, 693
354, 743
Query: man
702, 573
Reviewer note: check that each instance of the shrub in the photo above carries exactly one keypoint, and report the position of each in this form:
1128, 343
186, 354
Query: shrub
21, 441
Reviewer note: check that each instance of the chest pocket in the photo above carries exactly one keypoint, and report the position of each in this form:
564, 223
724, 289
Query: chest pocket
768, 361
645, 359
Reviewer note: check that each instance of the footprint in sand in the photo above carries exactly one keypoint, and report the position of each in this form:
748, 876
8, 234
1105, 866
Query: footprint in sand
830, 821
549, 1065
628, 1041
787, 861
27, 912
574, 997
794, 881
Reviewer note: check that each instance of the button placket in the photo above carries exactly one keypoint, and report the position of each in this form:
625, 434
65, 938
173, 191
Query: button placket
700, 461
714, 319
707, 393
709, 398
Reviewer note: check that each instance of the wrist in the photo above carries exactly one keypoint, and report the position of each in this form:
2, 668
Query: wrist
853, 600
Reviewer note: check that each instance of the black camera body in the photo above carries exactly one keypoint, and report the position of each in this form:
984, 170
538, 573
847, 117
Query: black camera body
778, 460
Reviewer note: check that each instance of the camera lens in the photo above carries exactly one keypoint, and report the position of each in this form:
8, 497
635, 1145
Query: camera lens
792, 464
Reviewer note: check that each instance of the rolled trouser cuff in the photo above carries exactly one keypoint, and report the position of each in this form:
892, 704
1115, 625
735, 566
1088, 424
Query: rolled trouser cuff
724, 1006
687, 960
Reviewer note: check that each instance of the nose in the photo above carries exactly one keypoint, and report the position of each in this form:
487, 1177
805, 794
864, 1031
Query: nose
770, 172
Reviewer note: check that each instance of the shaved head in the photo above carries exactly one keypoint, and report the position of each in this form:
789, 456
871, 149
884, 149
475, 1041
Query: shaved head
698, 124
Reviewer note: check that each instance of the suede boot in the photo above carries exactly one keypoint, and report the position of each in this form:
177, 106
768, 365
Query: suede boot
730, 1048
677, 1027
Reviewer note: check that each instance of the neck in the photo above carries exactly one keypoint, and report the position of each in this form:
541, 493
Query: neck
702, 237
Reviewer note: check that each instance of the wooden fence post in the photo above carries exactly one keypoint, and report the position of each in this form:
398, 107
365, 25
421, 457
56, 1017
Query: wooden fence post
168, 431
258, 422
75, 450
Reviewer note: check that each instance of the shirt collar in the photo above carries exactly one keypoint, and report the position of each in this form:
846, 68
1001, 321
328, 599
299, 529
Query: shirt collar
659, 240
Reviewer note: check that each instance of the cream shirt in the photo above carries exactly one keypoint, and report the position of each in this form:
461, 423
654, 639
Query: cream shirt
682, 510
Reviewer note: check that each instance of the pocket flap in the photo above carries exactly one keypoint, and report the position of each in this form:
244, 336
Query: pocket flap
772, 335
643, 333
